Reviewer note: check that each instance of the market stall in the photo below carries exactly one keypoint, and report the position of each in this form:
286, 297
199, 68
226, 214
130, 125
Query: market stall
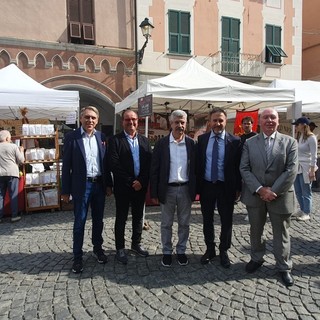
26, 104
193, 87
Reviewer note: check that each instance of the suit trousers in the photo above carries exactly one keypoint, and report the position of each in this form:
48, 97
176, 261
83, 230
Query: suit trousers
123, 201
281, 238
214, 195
177, 198
95, 197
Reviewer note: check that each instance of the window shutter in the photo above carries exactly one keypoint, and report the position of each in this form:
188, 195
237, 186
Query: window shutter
74, 10
75, 29
87, 14
88, 32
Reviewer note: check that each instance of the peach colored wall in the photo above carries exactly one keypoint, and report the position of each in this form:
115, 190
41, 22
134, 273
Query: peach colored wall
40, 20
289, 31
206, 33
252, 27
311, 40
157, 12
46, 20
114, 23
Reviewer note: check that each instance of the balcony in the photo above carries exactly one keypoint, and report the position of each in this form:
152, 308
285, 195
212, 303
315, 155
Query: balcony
237, 65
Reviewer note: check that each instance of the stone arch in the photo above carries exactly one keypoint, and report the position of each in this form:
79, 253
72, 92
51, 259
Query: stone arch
4, 58
22, 60
40, 61
90, 65
74, 64
121, 68
105, 66
57, 62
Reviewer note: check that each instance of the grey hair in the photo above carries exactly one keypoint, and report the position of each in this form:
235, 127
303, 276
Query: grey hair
178, 114
4, 134
94, 109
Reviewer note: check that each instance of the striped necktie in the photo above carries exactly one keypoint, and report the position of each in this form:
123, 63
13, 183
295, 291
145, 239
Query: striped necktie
268, 146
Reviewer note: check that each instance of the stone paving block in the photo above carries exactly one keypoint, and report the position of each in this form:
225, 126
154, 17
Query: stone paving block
37, 257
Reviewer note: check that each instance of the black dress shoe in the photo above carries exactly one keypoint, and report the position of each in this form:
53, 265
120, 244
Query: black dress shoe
253, 266
224, 259
140, 250
208, 256
287, 278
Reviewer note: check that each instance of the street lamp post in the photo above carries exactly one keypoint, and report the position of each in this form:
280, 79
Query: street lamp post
146, 28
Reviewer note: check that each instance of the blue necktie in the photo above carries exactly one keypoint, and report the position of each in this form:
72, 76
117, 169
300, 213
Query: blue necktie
214, 159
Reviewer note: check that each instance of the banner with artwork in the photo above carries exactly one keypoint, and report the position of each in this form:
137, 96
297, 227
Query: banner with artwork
238, 131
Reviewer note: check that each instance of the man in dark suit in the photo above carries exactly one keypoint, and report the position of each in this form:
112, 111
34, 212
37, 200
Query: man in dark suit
129, 158
173, 184
86, 177
268, 168
219, 182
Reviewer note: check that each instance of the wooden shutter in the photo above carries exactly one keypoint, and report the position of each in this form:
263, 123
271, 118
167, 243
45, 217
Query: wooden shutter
75, 29
88, 32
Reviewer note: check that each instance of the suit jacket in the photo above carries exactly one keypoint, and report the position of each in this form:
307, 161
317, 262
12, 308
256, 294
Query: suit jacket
74, 169
279, 174
160, 168
232, 178
121, 163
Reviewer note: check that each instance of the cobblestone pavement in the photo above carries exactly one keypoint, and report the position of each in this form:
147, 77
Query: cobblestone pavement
36, 281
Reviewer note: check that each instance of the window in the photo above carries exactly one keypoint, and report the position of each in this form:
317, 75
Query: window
273, 44
230, 46
179, 32
80, 13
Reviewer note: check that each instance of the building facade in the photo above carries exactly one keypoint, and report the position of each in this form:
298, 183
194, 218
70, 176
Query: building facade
250, 41
84, 45
311, 40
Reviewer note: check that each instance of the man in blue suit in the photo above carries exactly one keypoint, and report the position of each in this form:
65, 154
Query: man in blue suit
86, 177
218, 182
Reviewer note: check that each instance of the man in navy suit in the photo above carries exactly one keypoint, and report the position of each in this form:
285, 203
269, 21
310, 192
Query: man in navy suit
219, 182
86, 177
173, 184
129, 158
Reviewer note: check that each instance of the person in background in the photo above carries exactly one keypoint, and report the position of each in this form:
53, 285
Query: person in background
173, 184
10, 157
246, 124
312, 126
268, 168
129, 159
307, 159
86, 176
218, 183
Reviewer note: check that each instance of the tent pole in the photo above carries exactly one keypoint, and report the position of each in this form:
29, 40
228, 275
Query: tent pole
146, 126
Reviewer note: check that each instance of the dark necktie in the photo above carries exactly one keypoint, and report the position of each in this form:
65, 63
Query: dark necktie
214, 160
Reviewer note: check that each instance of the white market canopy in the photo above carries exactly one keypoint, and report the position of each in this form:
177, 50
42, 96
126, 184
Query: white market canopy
18, 90
192, 87
308, 92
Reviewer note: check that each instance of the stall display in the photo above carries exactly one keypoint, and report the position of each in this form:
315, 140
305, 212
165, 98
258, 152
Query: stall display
41, 187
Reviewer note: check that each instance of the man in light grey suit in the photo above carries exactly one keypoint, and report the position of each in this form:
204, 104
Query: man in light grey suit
268, 168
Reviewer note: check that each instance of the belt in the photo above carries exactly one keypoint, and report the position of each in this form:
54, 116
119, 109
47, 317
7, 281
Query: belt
177, 184
94, 179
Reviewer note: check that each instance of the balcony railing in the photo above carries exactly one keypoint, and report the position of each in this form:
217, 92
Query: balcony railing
241, 64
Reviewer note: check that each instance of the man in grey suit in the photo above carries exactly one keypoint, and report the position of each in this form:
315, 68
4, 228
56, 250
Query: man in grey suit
268, 168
